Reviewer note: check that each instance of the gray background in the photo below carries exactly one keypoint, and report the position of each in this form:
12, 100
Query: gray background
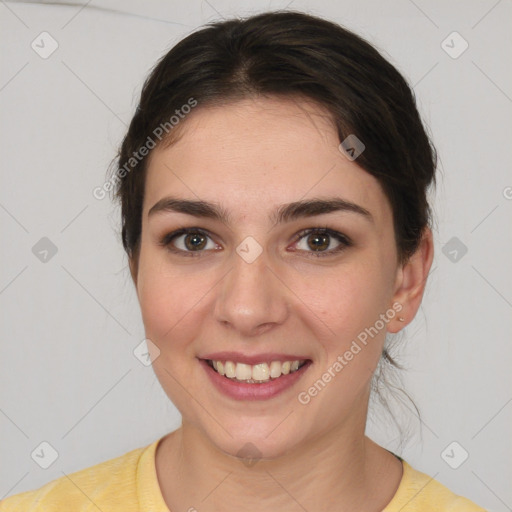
69, 325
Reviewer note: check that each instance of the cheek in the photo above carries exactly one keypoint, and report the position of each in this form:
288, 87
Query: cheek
168, 298
346, 299
349, 302
347, 307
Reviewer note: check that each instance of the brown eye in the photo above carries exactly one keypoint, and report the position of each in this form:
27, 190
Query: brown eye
318, 241
322, 242
188, 241
195, 241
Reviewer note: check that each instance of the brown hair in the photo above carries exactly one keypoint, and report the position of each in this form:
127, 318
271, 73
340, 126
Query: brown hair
291, 54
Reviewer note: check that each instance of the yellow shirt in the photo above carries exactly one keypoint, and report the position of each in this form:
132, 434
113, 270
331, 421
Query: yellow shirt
129, 484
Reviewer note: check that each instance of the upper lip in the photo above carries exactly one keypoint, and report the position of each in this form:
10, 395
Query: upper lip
252, 359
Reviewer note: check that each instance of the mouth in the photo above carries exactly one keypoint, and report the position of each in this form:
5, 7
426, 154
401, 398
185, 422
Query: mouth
257, 373
260, 381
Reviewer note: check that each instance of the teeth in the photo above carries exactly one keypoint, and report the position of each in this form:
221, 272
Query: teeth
261, 372
275, 369
230, 369
243, 371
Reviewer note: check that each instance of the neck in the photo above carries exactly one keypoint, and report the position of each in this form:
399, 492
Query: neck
342, 466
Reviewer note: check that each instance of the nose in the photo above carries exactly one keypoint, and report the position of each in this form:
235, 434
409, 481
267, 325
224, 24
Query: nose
251, 298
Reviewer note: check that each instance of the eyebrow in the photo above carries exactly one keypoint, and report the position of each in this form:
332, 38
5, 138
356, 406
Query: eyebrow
283, 213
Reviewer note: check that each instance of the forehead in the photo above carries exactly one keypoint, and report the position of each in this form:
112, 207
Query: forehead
253, 154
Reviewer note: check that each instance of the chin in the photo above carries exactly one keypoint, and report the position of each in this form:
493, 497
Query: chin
251, 442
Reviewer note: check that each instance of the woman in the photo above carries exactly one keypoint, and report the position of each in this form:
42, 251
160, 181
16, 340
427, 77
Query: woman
273, 188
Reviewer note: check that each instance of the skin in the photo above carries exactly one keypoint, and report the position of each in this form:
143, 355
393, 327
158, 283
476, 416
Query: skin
251, 156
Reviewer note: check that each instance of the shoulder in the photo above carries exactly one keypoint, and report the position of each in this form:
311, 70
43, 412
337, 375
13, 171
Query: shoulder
419, 492
110, 485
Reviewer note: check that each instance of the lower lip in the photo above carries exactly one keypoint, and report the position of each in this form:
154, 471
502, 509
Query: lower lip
246, 391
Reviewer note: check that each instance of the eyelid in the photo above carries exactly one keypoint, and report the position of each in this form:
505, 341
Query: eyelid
167, 239
344, 240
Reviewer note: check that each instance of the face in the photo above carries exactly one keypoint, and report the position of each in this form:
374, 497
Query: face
253, 286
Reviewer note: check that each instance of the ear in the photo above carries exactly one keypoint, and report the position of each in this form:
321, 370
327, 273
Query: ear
411, 280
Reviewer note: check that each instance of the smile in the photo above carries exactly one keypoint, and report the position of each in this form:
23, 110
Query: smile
257, 373
260, 381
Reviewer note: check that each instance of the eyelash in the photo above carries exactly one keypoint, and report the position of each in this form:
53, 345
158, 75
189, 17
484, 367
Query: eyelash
345, 242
